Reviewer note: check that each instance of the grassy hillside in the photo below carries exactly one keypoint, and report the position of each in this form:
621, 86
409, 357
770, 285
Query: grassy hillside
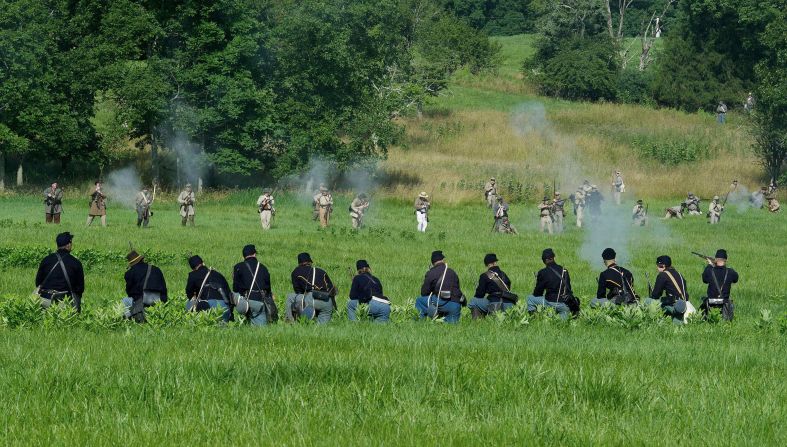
494, 125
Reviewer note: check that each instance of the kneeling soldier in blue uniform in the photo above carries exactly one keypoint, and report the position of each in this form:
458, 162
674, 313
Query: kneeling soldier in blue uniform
615, 284
314, 294
440, 292
493, 293
60, 275
206, 288
251, 283
719, 279
672, 285
145, 287
553, 287
367, 289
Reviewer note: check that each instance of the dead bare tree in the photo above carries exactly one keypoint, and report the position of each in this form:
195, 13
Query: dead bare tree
649, 35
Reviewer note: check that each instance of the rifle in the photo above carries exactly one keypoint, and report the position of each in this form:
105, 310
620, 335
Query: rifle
650, 287
705, 257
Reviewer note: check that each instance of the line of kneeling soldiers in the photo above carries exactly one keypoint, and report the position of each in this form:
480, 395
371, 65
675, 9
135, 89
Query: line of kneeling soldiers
60, 277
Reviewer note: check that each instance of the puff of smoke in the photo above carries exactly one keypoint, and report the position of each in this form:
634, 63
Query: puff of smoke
613, 229
122, 186
191, 161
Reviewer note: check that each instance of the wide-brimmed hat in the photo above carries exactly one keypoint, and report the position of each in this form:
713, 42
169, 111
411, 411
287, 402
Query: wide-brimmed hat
134, 258
423, 195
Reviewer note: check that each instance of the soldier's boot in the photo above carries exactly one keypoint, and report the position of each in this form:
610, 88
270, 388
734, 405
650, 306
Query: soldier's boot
89, 221
183, 221
477, 314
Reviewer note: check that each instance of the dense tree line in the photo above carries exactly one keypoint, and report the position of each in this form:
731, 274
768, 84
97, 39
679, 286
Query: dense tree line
247, 86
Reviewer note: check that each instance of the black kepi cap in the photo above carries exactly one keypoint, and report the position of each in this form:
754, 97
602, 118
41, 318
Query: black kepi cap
608, 254
304, 257
721, 254
664, 260
249, 250
437, 255
547, 254
64, 239
195, 261
490, 258
361, 264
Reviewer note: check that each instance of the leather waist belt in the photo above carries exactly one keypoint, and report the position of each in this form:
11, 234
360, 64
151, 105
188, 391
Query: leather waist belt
380, 300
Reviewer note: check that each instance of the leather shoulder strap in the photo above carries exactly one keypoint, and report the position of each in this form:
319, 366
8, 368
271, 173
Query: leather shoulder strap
147, 276
65, 273
681, 292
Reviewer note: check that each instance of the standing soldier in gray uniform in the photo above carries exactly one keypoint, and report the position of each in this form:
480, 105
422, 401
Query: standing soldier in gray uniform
144, 200
187, 210
490, 192
422, 211
714, 211
639, 215
98, 205
325, 205
558, 212
618, 187
53, 203
357, 209
265, 206
545, 210
692, 203
315, 199
579, 206
502, 222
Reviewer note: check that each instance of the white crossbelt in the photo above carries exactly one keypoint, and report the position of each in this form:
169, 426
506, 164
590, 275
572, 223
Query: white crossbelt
380, 300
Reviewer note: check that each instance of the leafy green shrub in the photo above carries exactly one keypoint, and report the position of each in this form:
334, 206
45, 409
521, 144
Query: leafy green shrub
30, 257
635, 87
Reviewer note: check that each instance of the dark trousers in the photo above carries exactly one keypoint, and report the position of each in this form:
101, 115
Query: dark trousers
727, 309
53, 218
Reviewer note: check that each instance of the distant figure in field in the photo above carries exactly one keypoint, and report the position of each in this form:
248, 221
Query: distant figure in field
98, 205
714, 211
772, 187
187, 199
748, 105
265, 206
493, 293
60, 275
670, 290
692, 204
358, 208
721, 112
313, 296
490, 192
773, 204
545, 211
206, 288
579, 206
674, 212
639, 215
144, 200
593, 200
325, 206
618, 187
53, 203
145, 287
558, 212
502, 222
315, 198
719, 279
422, 206
615, 284
441, 295
367, 289
553, 288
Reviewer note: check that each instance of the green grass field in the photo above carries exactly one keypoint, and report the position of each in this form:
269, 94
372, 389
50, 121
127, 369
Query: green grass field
606, 378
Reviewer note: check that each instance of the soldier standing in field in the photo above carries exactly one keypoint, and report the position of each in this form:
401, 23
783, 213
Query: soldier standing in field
714, 211
490, 192
53, 203
325, 205
618, 187
265, 206
143, 201
186, 200
545, 211
315, 199
639, 215
692, 203
558, 212
60, 275
502, 222
98, 205
422, 211
358, 207
579, 206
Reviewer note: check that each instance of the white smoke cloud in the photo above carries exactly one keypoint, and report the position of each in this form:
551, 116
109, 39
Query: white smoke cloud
122, 186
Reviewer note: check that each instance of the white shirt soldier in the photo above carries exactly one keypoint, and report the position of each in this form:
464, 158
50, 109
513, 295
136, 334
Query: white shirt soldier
357, 210
186, 200
266, 207
422, 206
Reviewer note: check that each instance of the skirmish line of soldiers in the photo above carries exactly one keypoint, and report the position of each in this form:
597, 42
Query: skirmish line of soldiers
586, 203
60, 280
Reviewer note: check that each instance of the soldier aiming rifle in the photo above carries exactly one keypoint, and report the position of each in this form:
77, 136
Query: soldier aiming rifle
143, 201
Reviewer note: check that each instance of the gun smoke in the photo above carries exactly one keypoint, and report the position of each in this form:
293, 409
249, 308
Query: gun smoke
122, 186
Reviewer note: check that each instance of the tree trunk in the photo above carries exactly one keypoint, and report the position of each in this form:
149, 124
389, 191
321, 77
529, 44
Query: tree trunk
154, 159
2, 171
20, 175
